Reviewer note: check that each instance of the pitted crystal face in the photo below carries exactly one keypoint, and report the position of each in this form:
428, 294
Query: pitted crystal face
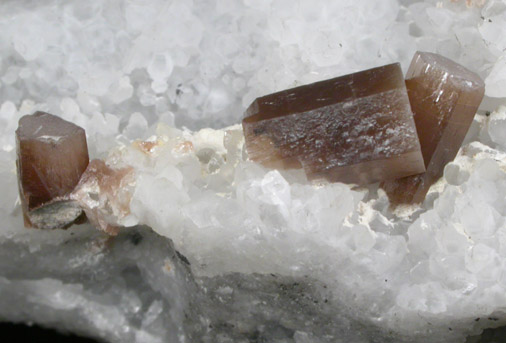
444, 98
52, 156
356, 128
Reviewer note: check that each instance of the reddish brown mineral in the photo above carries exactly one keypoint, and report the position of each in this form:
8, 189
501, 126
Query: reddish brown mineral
104, 193
52, 156
444, 98
356, 128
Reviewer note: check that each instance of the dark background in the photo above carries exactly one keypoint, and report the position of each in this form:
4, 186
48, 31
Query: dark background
35, 334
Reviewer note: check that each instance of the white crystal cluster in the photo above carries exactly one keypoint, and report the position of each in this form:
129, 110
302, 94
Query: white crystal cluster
201, 63
258, 255
420, 272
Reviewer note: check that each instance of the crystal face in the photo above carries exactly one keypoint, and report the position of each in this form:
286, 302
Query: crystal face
444, 98
356, 128
51, 157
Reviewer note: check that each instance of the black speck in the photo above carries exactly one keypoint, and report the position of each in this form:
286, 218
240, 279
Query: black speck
182, 258
340, 45
477, 319
326, 301
136, 238
487, 113
490, 20
386, 280
259, 130
493, 318
482, 17
178, 89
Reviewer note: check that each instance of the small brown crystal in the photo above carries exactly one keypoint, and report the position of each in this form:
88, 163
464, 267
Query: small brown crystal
356, 128
51, 156
444, 98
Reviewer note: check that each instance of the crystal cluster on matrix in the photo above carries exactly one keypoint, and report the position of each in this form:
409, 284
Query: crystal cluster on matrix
267, 256
359, 128
356, 128
444, 97
302, 127
198, 188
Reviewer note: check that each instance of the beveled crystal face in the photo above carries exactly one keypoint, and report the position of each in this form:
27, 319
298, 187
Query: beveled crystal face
444, 97
51, 156
356, 128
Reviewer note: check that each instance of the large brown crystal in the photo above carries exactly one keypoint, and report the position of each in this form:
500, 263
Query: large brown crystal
444, 98
52, 155
356, 128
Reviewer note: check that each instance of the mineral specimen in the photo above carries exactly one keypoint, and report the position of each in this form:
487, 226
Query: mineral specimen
272, 259
444, 98
52, 155
356, 128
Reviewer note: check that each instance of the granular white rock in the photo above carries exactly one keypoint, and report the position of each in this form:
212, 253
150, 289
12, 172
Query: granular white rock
258, 254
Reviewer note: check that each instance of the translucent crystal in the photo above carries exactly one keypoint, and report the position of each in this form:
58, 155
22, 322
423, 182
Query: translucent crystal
444, 98
356, 128
52, 155
104, 194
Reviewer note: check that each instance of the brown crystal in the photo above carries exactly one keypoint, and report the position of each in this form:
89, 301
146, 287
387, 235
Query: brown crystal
51, 156
444, 98
356, 128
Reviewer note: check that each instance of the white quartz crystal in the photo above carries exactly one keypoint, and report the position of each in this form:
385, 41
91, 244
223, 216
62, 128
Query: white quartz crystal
221, 249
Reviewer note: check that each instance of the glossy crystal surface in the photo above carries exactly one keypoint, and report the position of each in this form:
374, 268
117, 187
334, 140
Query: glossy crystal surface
444, 97
51, 156
356, 128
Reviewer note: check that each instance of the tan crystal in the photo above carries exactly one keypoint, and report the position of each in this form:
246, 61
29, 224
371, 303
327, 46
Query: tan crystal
51, 156
356, 128
444, 98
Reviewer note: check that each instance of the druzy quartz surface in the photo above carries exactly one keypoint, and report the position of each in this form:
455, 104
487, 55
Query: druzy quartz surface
52, 156
444, 97
356, 128
236, 252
